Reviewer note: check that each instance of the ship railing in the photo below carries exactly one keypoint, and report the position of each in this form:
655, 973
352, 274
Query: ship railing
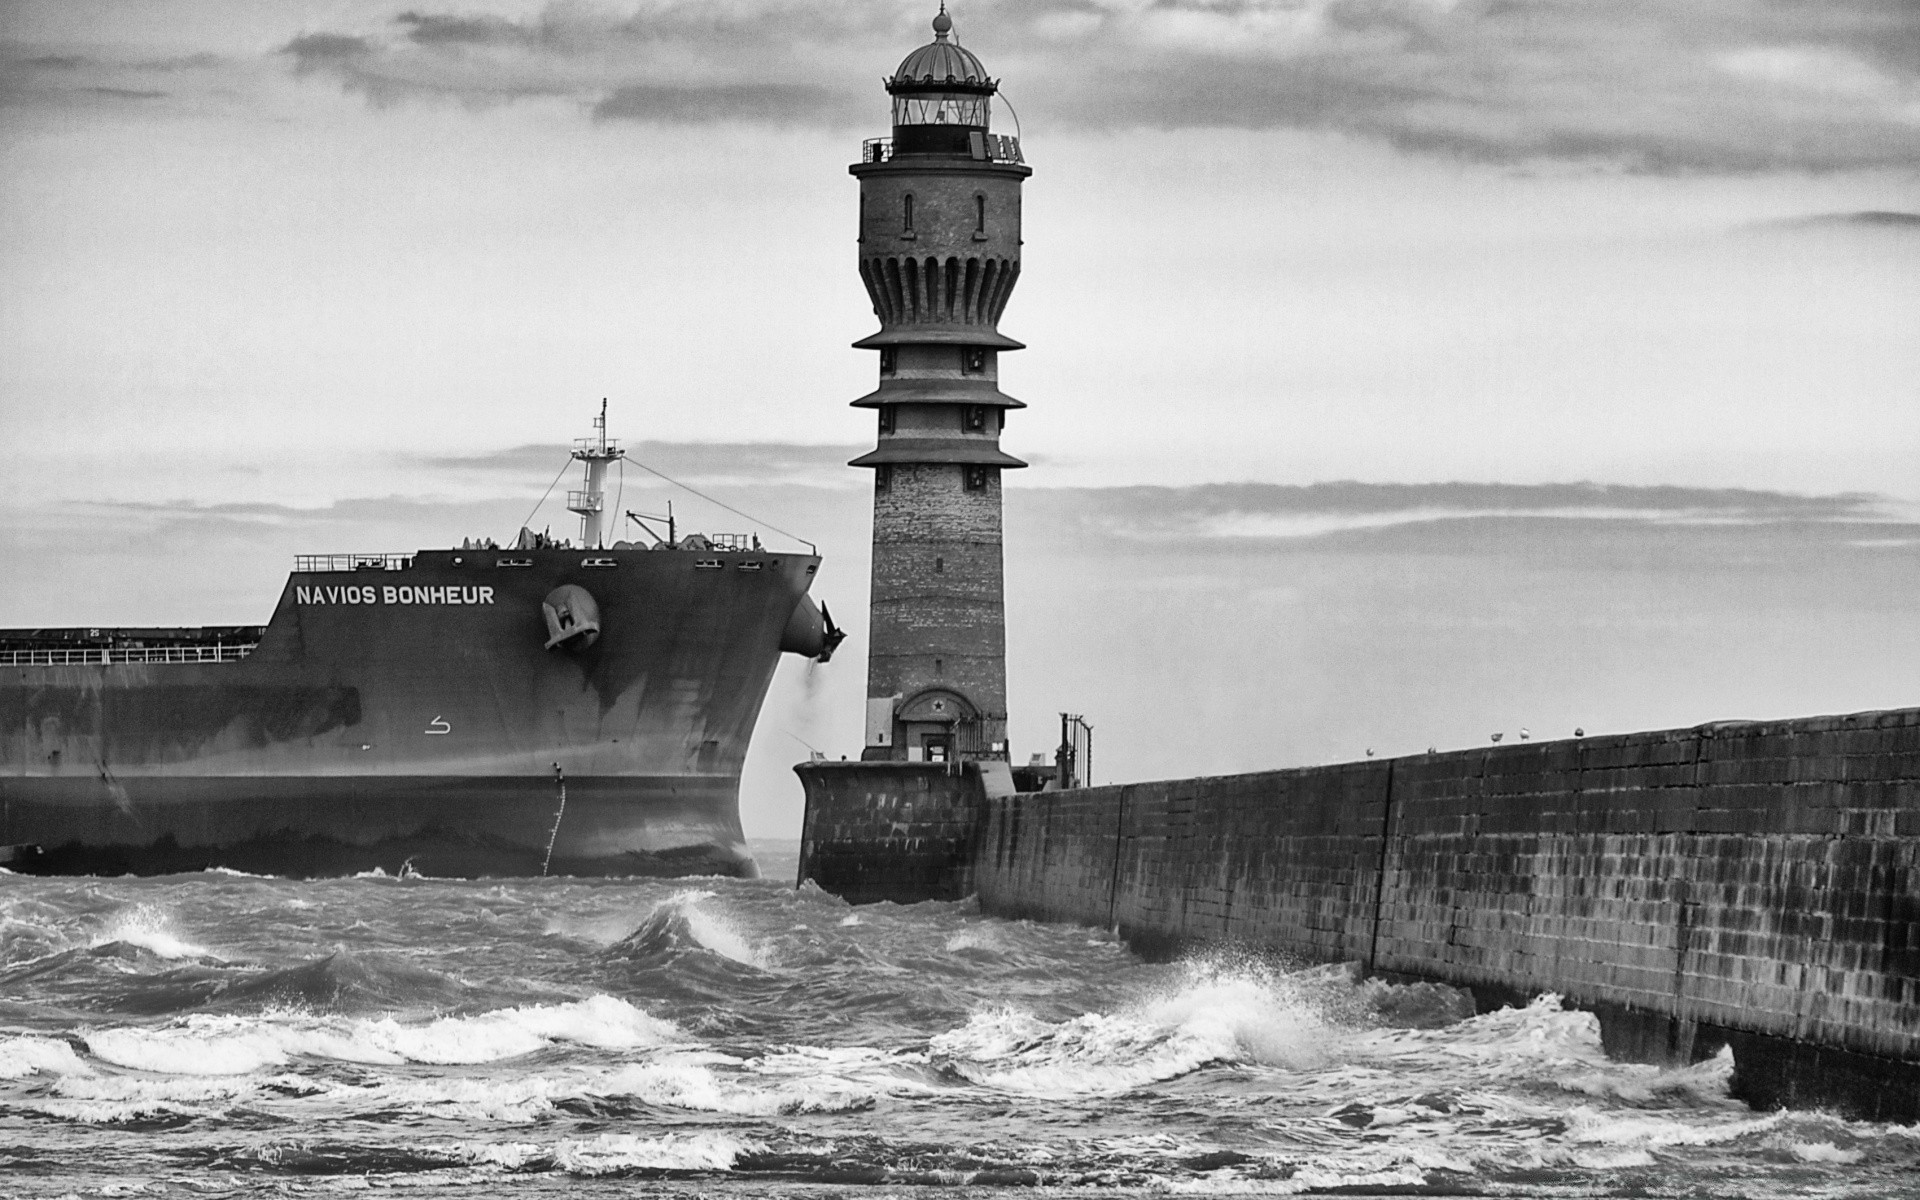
732, 541
218, 652
352, 562
593, 447
586, 502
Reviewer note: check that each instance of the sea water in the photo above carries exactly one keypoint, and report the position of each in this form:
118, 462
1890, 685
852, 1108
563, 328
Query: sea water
214, 1034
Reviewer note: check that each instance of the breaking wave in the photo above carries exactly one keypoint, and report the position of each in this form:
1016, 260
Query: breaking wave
1211, 1017
627, 1153
688, 920
150, 928
205, 1044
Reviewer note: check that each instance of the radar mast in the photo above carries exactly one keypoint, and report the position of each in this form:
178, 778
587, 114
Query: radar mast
591, 500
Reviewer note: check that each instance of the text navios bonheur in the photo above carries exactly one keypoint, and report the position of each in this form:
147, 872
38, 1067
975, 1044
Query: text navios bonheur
368, 594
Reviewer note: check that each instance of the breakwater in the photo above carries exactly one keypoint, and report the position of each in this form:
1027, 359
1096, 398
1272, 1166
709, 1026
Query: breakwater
1752, 885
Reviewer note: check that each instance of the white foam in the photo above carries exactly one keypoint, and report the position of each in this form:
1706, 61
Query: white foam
513, 1101
110, 1099
150, 928
1647, 1129
508, 1156
204, 1044
1310, 1177
695, 1086
613, 1152
850, 920
1637, 1083
1825, 1152
23, 1056
600, 1021
1094, 1054
971, 939
1213, 1016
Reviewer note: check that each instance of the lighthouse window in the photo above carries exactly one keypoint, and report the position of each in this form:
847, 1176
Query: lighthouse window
886, 418
976, 479
906, 213
973, 360
977, 418
882, 476
940, 109
980, 214
889, 360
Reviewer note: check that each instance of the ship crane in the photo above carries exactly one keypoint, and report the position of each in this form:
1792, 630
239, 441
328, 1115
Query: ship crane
591, 500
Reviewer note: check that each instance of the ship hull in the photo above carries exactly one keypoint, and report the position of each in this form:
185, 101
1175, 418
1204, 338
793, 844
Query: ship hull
417, 718
450, 826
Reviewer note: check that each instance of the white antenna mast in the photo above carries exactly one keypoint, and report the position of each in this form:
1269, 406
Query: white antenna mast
591, 501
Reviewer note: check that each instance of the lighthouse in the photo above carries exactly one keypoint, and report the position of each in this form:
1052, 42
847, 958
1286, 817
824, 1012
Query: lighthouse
939, 253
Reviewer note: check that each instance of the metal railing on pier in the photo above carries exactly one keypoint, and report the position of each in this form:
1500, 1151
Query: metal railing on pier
218, 652
352, 562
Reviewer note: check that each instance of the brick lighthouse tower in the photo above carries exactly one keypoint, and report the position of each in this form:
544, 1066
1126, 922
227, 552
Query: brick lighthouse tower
939, 252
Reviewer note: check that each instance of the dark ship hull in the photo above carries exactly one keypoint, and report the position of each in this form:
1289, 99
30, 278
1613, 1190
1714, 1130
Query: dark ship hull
411, 716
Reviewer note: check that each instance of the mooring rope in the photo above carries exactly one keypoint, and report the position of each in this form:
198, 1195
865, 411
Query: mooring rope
553, 835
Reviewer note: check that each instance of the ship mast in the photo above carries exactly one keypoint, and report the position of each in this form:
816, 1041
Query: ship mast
591, 501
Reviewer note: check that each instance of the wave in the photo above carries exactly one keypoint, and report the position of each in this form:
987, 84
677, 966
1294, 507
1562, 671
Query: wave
151, 929
208, 1044
1214, 1017
24, 1056
628, 1153
340, 981
683, 921
695, 1086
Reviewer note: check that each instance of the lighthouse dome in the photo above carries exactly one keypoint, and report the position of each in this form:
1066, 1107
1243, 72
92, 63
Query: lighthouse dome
941, 60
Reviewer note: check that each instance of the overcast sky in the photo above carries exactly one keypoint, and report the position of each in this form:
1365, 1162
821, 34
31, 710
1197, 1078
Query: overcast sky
273, 271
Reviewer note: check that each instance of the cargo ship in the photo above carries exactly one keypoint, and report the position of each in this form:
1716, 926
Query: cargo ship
538, 708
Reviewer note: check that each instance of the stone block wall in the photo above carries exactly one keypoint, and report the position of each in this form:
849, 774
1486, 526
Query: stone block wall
1753, 884
938, 617
890, 830
1763, 877
1284, 859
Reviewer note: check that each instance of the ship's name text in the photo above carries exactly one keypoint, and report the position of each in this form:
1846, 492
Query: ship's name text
393, 595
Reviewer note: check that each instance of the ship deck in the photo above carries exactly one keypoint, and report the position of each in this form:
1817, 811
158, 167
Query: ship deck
127, 644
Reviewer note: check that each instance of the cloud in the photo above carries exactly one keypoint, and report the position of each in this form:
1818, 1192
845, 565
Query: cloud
35, 76
1445, 513
1709, 85
779, 103
1890, 222
1712, 85
741, 464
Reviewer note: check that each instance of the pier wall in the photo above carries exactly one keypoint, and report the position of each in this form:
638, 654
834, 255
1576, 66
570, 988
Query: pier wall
891, 830
1753, 884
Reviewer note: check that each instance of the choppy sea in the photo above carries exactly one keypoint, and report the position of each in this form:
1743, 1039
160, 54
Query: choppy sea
221, 1034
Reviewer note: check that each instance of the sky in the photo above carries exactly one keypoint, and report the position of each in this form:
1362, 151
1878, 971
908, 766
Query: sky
1400, 371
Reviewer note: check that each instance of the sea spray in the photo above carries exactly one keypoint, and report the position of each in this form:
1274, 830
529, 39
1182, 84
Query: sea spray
150, 928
